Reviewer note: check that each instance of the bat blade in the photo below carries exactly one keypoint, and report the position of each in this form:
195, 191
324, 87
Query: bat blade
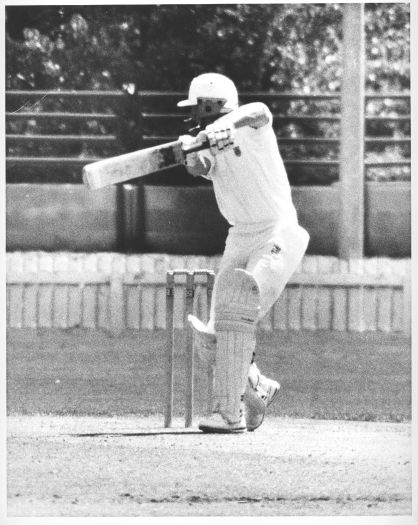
132, 165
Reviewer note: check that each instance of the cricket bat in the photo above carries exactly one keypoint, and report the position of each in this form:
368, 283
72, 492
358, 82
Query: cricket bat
137, 164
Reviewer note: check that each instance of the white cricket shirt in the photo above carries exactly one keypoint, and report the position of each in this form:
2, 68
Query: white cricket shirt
250, 180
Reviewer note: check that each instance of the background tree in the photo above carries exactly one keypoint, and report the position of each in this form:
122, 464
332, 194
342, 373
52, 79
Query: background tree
263, 47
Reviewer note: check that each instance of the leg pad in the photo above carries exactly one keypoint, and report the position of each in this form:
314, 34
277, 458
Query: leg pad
237, 302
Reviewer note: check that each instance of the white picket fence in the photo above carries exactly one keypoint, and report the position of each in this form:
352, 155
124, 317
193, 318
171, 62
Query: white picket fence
113, 291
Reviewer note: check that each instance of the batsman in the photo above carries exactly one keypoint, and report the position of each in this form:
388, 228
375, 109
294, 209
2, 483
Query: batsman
264, 246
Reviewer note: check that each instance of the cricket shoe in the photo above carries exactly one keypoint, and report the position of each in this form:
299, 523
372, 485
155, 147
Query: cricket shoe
219, 423
259, 394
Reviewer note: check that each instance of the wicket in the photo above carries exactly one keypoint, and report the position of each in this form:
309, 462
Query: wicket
189, 293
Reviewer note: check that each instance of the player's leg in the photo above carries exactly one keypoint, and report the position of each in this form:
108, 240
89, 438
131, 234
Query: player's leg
204, 337
271, 266
236, 312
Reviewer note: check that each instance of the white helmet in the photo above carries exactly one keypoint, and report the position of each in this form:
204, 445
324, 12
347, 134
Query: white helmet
212, 87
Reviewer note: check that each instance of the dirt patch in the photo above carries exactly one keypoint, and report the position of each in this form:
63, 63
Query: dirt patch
72, 466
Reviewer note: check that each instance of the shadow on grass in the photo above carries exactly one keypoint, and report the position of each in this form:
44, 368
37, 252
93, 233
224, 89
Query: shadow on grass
145, 433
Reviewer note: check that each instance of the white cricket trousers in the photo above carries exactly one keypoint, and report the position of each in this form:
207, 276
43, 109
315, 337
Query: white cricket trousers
271, 252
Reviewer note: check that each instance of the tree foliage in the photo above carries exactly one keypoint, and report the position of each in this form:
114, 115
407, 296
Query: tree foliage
261, 46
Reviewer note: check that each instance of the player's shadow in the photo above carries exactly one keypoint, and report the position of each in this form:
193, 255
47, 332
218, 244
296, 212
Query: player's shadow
143, 433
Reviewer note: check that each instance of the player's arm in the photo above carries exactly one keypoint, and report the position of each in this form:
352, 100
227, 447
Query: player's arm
254, 115
221, 133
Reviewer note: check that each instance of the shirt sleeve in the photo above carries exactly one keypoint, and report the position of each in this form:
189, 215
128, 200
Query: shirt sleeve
268, 114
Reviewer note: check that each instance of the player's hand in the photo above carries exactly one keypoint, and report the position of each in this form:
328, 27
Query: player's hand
221, 136
192, 159
187, 140
195, 165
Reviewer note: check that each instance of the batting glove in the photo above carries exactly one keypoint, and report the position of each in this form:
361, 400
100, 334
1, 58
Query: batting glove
221, 136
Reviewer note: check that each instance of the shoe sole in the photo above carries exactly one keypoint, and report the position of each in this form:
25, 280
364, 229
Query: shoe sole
262, 419
212, 430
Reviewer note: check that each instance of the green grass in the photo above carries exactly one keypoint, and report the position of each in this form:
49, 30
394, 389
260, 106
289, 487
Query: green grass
328, 375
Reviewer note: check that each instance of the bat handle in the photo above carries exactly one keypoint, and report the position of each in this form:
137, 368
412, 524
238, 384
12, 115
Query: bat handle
197, 146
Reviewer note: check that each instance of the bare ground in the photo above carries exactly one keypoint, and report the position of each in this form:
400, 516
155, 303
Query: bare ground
90, 466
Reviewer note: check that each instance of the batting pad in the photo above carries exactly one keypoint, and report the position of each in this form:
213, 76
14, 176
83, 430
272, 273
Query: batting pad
237, 301
233, 356
236, 311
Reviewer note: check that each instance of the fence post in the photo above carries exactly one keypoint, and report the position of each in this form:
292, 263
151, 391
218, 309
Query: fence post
117, 299
132, 218
407, 303
351, 226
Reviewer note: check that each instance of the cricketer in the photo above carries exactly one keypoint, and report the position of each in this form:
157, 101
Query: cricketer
264, 246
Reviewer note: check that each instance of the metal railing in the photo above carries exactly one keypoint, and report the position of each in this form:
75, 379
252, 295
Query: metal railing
31, 124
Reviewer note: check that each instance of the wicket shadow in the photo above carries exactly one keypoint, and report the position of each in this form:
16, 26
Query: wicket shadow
145, 433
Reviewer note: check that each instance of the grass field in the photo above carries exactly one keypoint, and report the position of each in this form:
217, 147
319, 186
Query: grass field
86, 437
324, 375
